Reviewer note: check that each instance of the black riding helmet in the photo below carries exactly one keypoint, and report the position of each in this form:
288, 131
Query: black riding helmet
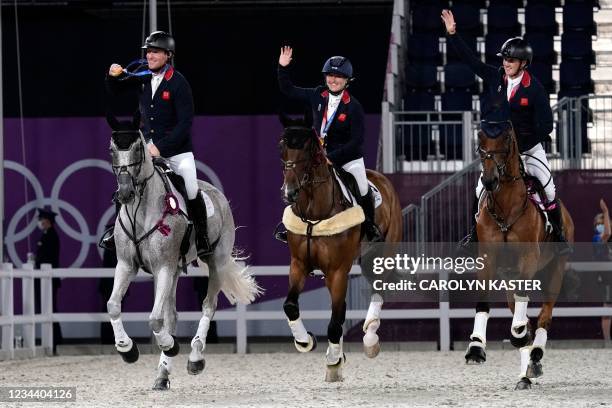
338, 65
161, 40
517, 48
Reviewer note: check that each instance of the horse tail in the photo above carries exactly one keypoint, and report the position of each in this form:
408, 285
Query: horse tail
234, 277
237, 283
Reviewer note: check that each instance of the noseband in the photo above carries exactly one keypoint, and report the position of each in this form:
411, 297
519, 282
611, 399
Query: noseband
124, 169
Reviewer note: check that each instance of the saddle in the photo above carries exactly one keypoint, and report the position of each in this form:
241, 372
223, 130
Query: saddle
351, 188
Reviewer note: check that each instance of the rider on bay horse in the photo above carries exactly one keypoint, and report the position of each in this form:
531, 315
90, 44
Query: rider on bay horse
530, 112
339, 122
166, 106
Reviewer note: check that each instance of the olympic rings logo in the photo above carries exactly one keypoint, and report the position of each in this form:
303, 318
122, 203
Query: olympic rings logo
84, 236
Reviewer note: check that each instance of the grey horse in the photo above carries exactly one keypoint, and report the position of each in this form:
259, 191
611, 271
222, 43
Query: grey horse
148, 233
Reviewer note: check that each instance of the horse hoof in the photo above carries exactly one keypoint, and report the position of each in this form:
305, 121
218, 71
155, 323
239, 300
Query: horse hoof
523, 384
195, 367
534, 369
174, 350
475, 355
536, 354
372, 351
519, 342
334, 372
130, 356
161, 384
306, 347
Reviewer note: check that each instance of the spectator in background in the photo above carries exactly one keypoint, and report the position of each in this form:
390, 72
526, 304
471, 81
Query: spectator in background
47, 252
601, 238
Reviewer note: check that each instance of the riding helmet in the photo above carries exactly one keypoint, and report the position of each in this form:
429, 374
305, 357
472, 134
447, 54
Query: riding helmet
517, 48
161, 40
338, 65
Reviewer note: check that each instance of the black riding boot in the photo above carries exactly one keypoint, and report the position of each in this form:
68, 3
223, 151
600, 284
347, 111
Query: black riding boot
108, 238
371, 229
556, 219
197, 213
472, 236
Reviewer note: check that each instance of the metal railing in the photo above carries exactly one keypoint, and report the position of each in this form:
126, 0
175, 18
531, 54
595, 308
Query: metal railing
240, 314
444, 141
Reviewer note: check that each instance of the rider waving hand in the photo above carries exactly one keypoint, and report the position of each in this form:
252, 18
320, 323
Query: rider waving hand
166, 106
531, 116
339, 121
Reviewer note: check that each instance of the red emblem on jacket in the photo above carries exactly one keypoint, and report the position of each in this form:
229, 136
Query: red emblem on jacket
524, 102
166, 95
342, 117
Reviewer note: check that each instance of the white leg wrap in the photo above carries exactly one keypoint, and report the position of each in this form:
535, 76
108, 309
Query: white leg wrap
540, 338
298, 330
123, 342
520, 315
373, 312
371, 338
166, 362
334, 353
164, 339
525, 357
202, 332
480, 327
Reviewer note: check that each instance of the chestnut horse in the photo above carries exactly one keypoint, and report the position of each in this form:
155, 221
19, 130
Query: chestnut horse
508, 215
314, 195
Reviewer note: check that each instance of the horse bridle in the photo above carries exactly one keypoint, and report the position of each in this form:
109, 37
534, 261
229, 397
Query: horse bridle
124, 169
290, 165
490, 155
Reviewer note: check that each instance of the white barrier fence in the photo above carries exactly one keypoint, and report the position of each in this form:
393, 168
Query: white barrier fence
240, 314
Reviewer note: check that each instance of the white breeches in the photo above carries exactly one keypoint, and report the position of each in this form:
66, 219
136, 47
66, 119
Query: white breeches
184, 165
357, 169
536, 165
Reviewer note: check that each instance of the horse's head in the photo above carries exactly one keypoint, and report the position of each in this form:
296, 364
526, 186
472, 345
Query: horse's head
497, 148
128, 155
300, 152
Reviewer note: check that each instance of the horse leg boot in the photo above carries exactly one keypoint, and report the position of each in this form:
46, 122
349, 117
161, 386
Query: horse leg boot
553, 210
334, 357
303, 340
195, 361
371, 229
197, 212
475, 353
371, 342
520, 334
124, 345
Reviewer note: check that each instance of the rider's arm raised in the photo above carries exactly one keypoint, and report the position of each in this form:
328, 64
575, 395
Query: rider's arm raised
284, 80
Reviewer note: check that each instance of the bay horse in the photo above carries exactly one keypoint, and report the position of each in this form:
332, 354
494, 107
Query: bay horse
150, 231
315, 195
509, 214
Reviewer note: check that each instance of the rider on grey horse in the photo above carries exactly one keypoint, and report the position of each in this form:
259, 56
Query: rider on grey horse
166, 106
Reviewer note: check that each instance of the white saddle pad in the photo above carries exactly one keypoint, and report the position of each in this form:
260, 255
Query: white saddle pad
349, 197
210, 208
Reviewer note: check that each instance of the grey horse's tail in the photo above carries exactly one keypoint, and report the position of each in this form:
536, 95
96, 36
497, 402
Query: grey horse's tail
237, 283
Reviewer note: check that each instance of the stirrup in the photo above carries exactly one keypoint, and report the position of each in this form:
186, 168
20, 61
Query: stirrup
373, 233
107, 241
281, 236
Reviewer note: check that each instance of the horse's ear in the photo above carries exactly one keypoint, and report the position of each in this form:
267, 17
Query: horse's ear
136, 120
112, 121
308, 117
285, 120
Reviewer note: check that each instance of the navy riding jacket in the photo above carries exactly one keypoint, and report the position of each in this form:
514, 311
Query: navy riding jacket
168, 116
345, 136
530, 110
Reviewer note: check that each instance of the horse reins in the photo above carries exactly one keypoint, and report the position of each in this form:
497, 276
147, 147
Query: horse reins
504, 178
